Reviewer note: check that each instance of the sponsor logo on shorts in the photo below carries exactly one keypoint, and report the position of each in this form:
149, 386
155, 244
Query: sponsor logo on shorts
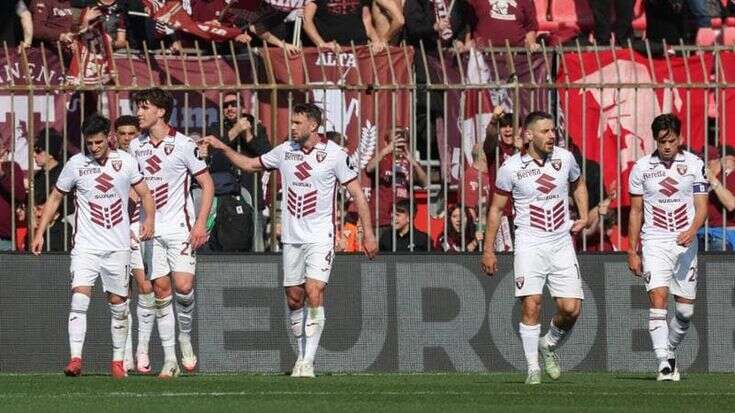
519, 282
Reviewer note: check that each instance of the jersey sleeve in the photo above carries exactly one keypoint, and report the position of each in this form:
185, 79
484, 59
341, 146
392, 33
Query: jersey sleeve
134, 172
574, 171
700, 185
345, 170
272, 159
195, 165
635, 182
67, 179
504, 181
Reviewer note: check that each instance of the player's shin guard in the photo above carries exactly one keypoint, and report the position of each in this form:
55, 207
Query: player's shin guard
313, 332
146, 318
296, 322
119, 329
659, 331
554, 336
77, 323
530, 338
166, 327
679, 325
185, 313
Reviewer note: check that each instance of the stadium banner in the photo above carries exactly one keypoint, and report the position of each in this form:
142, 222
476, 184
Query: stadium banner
469, 111
62, 109
398, 313
599, 119
726, 100
364, 117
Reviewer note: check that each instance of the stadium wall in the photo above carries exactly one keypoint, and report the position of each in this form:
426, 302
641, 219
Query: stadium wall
398, 313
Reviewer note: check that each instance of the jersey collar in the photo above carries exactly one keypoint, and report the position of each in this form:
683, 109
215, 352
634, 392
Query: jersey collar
655, 160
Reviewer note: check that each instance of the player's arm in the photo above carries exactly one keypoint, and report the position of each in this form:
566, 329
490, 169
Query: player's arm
198, 235
581, 199
149, 208
239, 160
49, 210
635, 220
494, 213
700, 215
369, 242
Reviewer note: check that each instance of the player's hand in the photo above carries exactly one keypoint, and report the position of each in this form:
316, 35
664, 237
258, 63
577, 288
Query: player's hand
579, 225
146, 229
686, 238
489, 262
370, 245
198, 237
37, 245
134, 236
634, 264
214, 142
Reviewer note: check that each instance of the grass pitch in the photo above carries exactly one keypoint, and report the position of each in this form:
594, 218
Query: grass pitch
444, 393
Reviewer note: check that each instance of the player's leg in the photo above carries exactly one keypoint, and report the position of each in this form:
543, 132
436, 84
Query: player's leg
293, 282
115, 276
318, 266
155, 257
530, 332
85, 270
129, 361
684, 290
146, 312
184, 293
657, 274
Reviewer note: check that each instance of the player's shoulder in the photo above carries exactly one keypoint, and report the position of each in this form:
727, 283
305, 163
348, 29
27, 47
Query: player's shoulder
122, 155
77, 160
645, 161
691, 157
515, 161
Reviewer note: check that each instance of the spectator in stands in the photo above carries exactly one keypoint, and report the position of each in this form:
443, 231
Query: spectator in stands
393, 155
387, 18
139, 28
110, 14
21, 228
349, 237
720, 229
605, 26
476, 184
669, 20
49, 157
11, 190
274, 23
336, 24
26, 23
52, 21
501, 21
460, 225
402, 228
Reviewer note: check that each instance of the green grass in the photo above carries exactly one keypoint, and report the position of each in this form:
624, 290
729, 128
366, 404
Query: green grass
445, 393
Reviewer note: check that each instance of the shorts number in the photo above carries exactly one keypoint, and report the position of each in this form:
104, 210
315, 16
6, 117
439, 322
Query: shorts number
329, 257
693, 274
186, 247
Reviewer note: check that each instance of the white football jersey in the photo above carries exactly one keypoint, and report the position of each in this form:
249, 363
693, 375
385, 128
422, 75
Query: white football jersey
540, 194
168, 168
309, 180
101, 196
668, 192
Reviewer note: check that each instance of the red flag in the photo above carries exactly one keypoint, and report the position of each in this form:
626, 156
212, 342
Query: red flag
171, 13
612, 126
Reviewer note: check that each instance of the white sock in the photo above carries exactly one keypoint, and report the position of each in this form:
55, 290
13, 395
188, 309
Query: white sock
129, 337
659, 331
313, 331
679, 325
78, 323
530, 337
166, 327
119, 329
296, 321
184, 314
146, 320
554, 336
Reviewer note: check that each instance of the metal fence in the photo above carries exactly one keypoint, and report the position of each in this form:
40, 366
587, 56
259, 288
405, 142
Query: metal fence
440, 98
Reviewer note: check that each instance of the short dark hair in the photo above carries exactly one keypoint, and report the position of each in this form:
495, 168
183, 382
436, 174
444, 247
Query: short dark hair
536, 116
158, 98
665, 122
310, 110
506, 119
95, 124
127, 120
404, 205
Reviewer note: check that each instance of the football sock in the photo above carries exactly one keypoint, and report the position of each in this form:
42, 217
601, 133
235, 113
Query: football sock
296, 319
313, 331
119, 329
146, 318
679, 325
184, 312
166, 327
77, 323
129, 335
554, 336
659, 331
530, 337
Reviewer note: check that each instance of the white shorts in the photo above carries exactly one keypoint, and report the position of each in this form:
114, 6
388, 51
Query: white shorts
302, 261
112, 266
136, 255
554, 263
169, 253
667, 264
